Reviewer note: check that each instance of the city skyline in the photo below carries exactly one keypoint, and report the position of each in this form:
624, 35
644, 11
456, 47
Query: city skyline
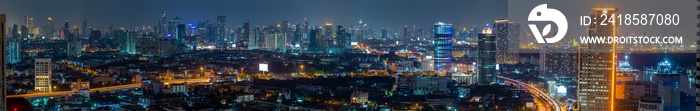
377, 14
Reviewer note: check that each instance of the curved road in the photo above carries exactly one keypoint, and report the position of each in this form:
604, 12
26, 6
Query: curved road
109, 88
533, 90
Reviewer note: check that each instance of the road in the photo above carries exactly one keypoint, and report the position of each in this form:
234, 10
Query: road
538, 93
109, 88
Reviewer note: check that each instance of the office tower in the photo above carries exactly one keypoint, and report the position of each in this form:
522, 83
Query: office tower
65, 30
3, 89
15, 32
30, 25
42, 74
404, 36
506, 34
384, 33
85, 30
163, 24
172, 27
74, 45
343, 38
95, 35
24, 31
443, 47
243, 42
486, 63
49, 29
313, 45
221, 32
180, 33
597, 69
127, 41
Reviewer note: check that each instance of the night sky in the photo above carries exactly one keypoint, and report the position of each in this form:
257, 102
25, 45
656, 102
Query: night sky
376, 13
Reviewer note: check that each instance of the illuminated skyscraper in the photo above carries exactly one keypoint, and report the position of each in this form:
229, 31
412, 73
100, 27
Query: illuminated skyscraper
506, 34
42, 74
443, 47
49, 28
486, 63
127, 41
597, 69
74, 45
13, 51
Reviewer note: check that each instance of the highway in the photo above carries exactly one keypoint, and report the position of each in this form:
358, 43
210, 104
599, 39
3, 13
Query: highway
109, 88
538, 93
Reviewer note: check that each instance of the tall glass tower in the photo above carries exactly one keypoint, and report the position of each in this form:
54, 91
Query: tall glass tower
486, 64
443, 47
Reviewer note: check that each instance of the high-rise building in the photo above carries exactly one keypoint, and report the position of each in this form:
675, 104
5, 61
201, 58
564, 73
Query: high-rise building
486, 63
64, 32
127, 41
221, 30
3, 89
443, 47
180, 33
13, 51
95, 35
163, 24
597, 68
24, 31
30, 25
243, 42
15, 32
84, 28
385, 33
507, 34
74, 45
49, 29
343, 38
42, 74
558, 61
313, 44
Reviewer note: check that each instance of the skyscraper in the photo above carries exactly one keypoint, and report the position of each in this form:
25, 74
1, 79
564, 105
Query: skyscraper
221, 33
42, 74
163, 24
84, 28
3, 75
243, 42
49, 29
95, 35
13, 51
74, 45
343, 38
313, 45
597, 69
127, 41
443, 47
507, 34
486, 63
